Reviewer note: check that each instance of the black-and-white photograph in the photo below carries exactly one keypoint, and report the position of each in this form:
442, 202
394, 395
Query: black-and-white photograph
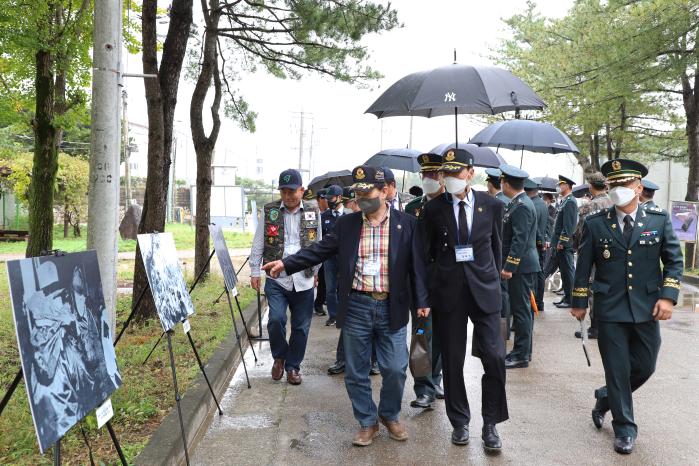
64, 339
165, 278
223, 256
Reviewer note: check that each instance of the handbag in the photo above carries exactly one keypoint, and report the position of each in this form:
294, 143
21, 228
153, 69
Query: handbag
420, 357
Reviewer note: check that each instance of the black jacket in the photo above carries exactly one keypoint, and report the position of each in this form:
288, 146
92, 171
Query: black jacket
406, 263
446, 276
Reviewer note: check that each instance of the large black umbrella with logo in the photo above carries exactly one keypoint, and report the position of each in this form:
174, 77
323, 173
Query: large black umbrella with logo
455, 89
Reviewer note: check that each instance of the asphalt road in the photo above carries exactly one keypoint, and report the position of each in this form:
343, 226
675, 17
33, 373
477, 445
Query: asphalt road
549, 403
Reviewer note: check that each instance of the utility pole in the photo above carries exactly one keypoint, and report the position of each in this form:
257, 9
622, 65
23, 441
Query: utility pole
310, 153
103, 194
301, 144
127, 151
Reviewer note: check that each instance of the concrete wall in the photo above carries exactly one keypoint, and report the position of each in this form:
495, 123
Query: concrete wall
672, 179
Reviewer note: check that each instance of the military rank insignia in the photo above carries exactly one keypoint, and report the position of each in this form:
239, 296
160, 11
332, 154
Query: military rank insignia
272, 230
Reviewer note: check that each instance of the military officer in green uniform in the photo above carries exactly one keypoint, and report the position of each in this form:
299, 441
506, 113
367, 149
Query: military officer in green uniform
563, 231
493, 184
542, 237
521, 262
626, 244
428, 388
649, 189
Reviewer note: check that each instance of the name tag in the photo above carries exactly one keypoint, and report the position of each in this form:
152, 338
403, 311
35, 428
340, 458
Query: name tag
464, 253
371, 268
309, 215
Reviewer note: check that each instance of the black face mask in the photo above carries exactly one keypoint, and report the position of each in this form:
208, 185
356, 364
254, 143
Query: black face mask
332, 204
370, 205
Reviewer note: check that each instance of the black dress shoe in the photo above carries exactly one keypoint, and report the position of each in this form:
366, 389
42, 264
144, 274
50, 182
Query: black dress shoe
422, 401
374, 369
516, 363
320, 311
563, 305
460, 435
337, 368
623, 445
598, 413
559, 292
330, 322
491, 439
591, 333
439, 392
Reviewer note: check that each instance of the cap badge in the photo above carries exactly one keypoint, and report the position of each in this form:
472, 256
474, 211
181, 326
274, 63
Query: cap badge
616, 165
450, 156
360, 174
425, 158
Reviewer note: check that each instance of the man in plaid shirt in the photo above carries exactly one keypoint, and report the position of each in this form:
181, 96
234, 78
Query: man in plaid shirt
380, 258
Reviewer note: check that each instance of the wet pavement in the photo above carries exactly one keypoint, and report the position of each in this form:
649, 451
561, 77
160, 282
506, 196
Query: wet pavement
549, 403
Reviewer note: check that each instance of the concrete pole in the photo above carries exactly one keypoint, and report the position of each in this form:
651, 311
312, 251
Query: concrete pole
127, 151
103, 194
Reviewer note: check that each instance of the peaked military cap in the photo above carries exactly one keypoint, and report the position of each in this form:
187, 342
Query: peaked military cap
562, 179
623, 170
455, 160
429, 162
493, 173
530, 185
367, 178
649, 185
510, 171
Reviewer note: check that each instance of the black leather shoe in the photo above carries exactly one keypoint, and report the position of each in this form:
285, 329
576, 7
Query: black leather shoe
598, 413
439, 392
320, 311
491, 439
516, 363
330, 322
337, 368
559, 292
460, 435
563, 305
591, 333
374, 369
422, 401
623, 445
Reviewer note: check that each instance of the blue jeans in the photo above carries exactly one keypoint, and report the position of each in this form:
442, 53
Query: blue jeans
330, 267
300, 304
367, 320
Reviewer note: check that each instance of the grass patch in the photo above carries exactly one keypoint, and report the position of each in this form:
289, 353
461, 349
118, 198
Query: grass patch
183, 235
145, 396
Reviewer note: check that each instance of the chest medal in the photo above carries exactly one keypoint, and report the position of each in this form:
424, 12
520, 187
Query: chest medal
606, 254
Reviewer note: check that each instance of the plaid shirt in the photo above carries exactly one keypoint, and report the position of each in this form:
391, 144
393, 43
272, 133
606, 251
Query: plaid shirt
373, 245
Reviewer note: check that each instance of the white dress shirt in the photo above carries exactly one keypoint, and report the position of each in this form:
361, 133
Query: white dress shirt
469, 199
620, 217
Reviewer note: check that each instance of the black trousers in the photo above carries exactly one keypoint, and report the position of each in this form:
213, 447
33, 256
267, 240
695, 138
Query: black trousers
452, 331
629, 352
540, 282
567, 268
320, 296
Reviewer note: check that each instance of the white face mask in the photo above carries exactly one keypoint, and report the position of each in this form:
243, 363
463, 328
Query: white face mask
455, 185
430, 186
621, 196
558, 189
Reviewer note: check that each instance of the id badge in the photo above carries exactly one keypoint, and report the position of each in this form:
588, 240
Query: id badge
371, 268
464, 253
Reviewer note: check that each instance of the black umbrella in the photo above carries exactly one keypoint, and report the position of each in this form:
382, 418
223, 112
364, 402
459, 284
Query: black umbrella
546, 183
524, 135
581, 190
396, 159
482, 156
454, 89
341, 178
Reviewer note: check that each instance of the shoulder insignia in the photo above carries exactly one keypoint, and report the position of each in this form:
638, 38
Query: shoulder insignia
597, 213
656, 210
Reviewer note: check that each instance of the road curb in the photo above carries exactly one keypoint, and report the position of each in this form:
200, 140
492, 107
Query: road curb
692, 280
165, 445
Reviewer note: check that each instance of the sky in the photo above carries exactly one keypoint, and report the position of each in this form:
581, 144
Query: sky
335, 125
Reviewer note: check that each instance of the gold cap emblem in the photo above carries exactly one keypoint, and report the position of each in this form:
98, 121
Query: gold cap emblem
360, 174
425, 158
616, 165
450, 156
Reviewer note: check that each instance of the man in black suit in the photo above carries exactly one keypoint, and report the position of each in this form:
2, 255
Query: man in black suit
381, 264
464, 250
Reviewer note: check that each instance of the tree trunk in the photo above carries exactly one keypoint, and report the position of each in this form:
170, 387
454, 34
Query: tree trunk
161, 98
608, 139
203, 144
66, 221
690, 99
45, 164
622, 130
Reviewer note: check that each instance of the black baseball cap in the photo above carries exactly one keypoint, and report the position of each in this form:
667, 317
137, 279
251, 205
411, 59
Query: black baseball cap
388, 175
290, 179
367, 178
332, 190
